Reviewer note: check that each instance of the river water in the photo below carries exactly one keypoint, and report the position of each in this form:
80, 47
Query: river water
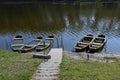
67, 22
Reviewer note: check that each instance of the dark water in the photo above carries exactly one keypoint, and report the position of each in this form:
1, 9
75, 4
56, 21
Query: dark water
67, 22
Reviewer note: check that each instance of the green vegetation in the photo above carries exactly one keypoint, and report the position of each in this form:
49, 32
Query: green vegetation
83, 70
14, 66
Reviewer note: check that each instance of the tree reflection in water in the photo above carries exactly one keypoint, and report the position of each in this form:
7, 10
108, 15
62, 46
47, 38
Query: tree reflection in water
68, 22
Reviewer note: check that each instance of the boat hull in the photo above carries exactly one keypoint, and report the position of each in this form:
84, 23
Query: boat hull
17, 43
77, 49
92, 50
42, 47
97, 44
47, 43
83, 44
27, 49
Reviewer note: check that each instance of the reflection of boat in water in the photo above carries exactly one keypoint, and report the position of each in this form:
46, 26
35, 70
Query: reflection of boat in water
45, 44
17, 43
32, 44
97, 44
83, 43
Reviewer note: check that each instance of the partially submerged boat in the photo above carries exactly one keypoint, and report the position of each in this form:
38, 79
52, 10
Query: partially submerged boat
97, 44
32, 44
17, 43
45, 44
83, 43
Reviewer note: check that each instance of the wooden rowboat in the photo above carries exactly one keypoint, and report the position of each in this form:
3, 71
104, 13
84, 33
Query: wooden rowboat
45, 43
32, 44
97, 44
17, 43
83, 43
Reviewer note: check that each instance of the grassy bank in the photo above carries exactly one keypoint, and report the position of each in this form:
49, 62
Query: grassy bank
83, 70
15, 66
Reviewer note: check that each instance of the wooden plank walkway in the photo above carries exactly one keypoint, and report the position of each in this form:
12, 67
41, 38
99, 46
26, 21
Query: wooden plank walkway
49, 69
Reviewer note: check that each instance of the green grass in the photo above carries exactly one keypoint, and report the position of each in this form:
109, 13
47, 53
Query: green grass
83, 70
14, 66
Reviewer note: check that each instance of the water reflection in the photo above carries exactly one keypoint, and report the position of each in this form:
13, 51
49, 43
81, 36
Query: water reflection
67, 22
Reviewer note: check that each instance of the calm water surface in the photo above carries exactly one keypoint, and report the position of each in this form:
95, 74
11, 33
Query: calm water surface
67, 22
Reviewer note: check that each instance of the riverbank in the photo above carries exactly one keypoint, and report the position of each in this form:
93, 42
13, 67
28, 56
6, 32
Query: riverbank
98, 57
74, 66
75, 69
